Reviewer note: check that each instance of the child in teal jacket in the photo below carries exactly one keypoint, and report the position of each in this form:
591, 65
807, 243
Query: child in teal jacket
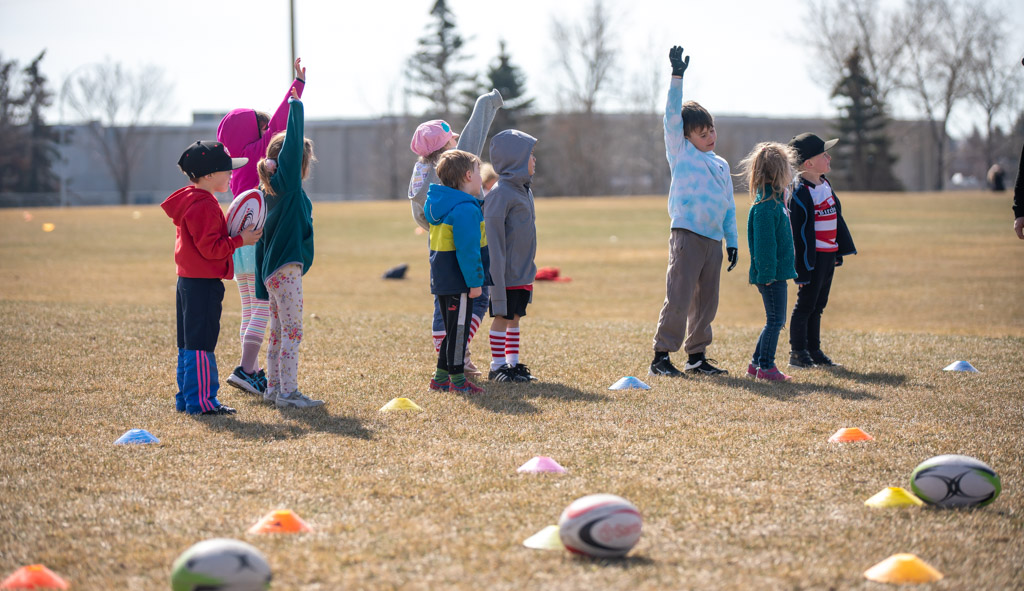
285, 254
769, 169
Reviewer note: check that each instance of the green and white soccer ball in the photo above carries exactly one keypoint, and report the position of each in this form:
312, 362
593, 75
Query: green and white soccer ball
221, 564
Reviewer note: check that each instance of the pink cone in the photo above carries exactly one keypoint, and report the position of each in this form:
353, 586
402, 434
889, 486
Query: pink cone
541, 464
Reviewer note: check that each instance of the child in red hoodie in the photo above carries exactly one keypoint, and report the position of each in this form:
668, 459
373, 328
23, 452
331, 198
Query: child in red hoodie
202, 254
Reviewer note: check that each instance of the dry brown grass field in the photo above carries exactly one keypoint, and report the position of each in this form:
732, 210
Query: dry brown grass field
737, 484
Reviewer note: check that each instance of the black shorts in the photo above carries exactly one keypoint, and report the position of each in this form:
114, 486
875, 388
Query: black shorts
198, 304
517, 300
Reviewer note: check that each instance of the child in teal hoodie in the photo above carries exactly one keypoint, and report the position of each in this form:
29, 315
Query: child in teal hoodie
769, 170
285, 254
458, 261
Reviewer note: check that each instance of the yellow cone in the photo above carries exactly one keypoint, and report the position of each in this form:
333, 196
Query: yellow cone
902, 568
545, 539
893, 496
400, 404
48, 227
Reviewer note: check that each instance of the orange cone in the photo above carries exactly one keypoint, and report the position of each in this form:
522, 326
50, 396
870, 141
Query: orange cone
34, 576
848, 435
282, 521
902, 568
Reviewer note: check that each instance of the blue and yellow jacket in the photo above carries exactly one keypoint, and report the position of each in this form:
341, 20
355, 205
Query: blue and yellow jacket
458, 244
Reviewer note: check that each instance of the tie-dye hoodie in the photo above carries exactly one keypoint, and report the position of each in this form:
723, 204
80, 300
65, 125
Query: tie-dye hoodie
700, 198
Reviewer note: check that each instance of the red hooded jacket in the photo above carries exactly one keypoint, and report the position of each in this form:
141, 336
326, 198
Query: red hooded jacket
202, 247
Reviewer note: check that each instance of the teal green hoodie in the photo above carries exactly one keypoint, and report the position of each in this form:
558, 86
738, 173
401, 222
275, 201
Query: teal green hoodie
770, 240
288, 231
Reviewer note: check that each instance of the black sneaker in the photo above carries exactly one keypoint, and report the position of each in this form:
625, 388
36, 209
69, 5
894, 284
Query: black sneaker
220, 410
523, 371
703, 366
801, 359
247, 382
820, 358
507, 374
662, 366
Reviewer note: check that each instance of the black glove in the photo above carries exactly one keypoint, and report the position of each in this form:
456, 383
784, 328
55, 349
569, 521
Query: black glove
734, 256
675, 57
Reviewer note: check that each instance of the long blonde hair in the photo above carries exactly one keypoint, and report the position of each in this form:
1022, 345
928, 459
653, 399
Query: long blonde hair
273, 151
770, 165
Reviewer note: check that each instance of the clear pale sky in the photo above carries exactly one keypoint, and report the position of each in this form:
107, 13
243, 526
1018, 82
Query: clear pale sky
748, 57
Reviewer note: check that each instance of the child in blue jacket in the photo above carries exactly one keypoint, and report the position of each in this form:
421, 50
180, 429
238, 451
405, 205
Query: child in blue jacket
458, 261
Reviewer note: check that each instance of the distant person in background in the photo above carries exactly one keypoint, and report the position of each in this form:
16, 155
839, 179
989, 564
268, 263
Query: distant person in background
429, 141
996, 178
769, 170
821, 240
702, 208
1018, 199
488, 176
247, 133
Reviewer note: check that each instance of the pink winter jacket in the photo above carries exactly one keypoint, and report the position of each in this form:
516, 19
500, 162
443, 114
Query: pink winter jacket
240, 134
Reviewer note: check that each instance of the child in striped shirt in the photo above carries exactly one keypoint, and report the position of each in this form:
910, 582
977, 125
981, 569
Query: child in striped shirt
821, 240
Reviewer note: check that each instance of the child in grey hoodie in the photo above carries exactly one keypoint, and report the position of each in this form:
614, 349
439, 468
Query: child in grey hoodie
511, 226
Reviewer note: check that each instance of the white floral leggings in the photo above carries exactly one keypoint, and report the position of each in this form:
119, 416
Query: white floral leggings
285, 290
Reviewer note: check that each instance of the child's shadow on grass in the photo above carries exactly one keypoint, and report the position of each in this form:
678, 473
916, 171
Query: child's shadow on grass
874, 377
624, 563
514, 399
316, 420
794, 388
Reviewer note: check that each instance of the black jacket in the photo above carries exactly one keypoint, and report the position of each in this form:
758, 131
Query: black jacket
1018, 189
801, 219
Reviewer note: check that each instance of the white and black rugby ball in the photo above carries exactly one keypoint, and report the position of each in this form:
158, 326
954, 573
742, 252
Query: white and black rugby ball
602, 526
248, 209
221, 564
955, 481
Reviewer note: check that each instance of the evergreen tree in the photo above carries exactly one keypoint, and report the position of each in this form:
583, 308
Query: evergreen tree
42, 148
433, 69
864, 150
12, 133
511, 83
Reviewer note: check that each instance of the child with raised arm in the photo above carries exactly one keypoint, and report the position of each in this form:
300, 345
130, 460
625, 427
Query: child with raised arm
202, 255
511, 225
703, 211
458, 261
769, 170
821, 240
285, 254
430, 140
247, 132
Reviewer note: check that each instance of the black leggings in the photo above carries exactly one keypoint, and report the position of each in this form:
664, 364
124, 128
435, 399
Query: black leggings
811, 299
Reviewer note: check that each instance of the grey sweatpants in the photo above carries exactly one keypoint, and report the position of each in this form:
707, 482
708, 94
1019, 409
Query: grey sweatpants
691, 293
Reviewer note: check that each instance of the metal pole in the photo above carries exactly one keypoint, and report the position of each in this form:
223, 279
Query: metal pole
291, 5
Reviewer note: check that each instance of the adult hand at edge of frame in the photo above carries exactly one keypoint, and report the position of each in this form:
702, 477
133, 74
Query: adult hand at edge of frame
1018, 227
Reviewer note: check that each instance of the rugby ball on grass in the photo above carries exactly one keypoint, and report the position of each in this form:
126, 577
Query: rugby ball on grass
221, 564
955, 481
602, 526
247, 209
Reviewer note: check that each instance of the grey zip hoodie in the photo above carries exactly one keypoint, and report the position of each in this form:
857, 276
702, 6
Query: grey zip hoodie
510, 218
471, 140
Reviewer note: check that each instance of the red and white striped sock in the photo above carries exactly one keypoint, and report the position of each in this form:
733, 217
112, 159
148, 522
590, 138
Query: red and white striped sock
438, 338
512, 346
473, 325
497, 349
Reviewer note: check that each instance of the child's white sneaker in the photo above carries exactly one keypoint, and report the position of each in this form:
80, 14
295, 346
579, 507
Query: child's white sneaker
297, 399
270, 396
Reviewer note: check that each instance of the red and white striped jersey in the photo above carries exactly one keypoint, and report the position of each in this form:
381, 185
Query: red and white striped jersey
825, 217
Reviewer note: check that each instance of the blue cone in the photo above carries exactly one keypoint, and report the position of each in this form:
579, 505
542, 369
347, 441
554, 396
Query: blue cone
136, 436
629, 383
960, 366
